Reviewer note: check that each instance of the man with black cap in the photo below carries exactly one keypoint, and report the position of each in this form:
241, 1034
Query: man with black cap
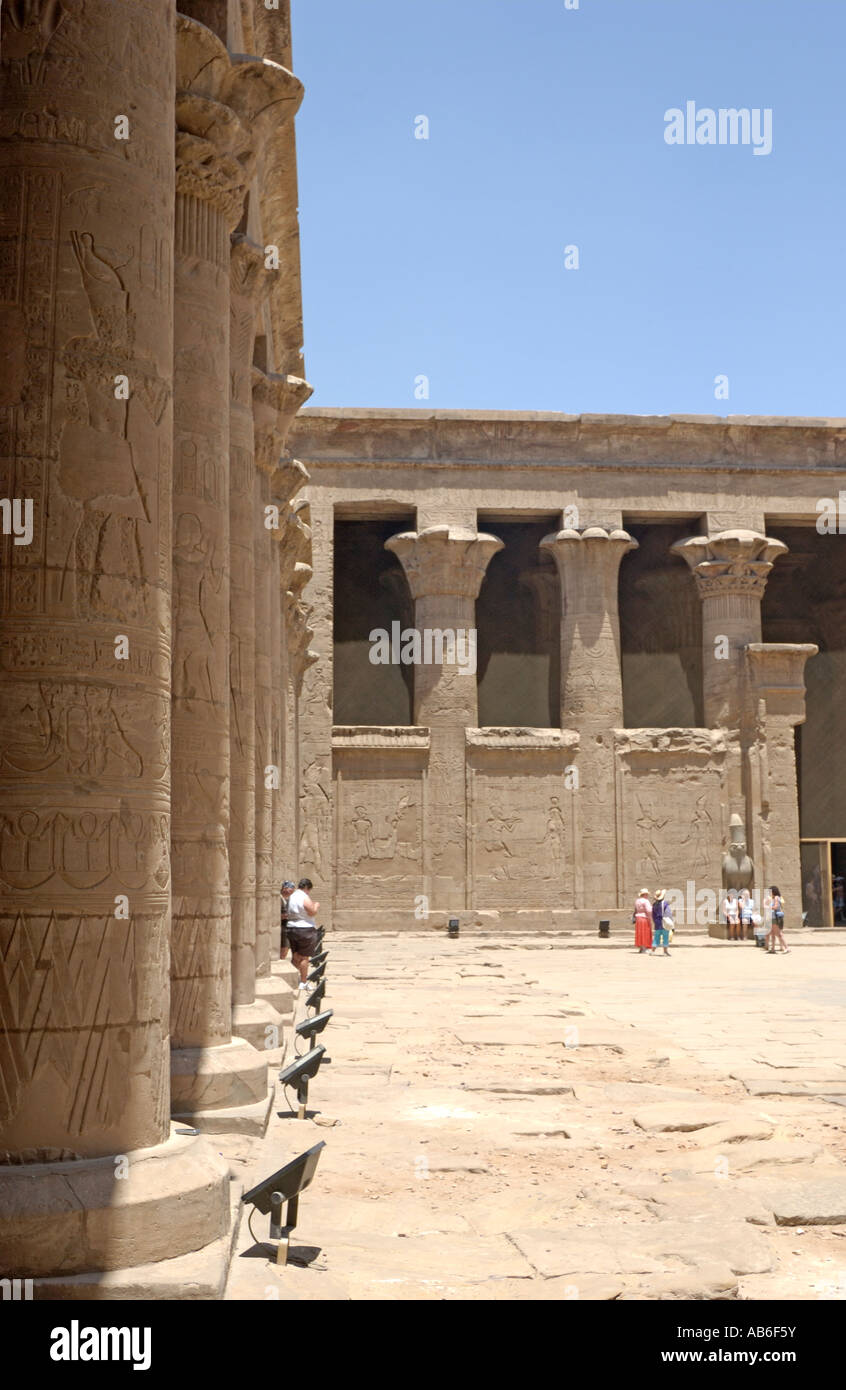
284, 944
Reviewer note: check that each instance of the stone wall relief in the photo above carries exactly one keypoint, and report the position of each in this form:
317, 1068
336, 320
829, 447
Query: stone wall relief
521, 831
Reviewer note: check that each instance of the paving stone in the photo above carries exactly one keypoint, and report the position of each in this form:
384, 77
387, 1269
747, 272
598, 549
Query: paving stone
741, 1157
732, 1132
684, 1116
808, 1201
796, 1088
717, 1198
645, 1249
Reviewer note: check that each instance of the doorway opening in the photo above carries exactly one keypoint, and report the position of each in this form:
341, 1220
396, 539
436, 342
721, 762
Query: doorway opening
823, 882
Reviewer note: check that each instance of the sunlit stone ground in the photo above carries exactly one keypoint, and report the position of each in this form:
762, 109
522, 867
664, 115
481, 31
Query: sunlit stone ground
558, 1118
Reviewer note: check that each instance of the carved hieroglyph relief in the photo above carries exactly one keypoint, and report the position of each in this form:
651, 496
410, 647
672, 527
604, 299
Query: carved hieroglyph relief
380, 833
670, 814
522, 838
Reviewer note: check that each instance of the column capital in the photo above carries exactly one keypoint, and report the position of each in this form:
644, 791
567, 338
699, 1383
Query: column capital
444, 559
286, 479
730, 562
249, 278
294, 540
276, 400
225, 107
776, 674
608, 545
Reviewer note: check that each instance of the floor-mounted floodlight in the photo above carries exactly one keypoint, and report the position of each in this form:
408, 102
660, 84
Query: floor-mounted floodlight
320, 958
300, 1073
284, 1186
310, 1027
315, 999
315, 976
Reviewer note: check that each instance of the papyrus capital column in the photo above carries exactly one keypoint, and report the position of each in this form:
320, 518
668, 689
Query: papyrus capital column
591, 679
445, 566
731, 570
592, 690
222, 108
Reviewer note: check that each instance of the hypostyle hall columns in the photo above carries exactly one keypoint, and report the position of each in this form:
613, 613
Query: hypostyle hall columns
92, 1178
588, 563
276, 399
445, 566
221, 108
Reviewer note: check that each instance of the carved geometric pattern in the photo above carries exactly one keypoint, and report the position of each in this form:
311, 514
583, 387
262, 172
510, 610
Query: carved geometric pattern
64, 985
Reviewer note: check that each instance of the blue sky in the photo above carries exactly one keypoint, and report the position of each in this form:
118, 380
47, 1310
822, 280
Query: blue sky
445, 257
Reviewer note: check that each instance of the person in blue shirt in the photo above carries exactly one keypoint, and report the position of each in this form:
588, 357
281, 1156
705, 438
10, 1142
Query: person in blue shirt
660, 933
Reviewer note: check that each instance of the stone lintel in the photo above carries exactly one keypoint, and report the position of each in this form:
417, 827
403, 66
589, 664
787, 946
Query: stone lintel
364, 438
386, 739
526, 740
688, 743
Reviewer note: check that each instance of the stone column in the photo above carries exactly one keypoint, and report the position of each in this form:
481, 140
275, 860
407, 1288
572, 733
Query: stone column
256, 1020
592, 690
445, 566
248, 284
276, 398
775, 690
730, 570
85, 420
292, 572
222, 109
316, 840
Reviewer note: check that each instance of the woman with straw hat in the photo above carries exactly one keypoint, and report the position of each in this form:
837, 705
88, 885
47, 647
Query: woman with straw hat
661, 934
643, 922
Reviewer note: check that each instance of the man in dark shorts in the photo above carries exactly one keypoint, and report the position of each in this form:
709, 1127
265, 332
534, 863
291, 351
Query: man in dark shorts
286, 890
302, 928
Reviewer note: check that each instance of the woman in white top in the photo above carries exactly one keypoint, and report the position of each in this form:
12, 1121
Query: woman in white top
302, 928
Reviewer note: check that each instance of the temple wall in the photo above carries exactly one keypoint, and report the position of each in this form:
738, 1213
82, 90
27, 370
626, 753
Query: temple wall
543, 835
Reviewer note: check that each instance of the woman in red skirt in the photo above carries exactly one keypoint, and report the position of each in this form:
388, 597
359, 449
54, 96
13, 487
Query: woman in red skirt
643, 922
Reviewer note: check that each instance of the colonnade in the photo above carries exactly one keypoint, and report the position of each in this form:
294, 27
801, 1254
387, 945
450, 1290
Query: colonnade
154, 637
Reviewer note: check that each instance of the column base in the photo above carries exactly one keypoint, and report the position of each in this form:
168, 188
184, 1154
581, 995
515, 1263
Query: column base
284, 970
66, 1219
253, 1023
199, 1275
277, 993
236, 1119
216, 1078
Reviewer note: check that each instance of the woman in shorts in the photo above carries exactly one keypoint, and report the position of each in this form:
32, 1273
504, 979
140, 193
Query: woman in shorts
776, 909
302, 928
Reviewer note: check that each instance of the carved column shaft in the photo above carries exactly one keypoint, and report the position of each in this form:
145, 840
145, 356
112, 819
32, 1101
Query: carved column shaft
592, 689
201, 1005
445, 566
249, 283
277, 737
776, 692
265, 899
85, 423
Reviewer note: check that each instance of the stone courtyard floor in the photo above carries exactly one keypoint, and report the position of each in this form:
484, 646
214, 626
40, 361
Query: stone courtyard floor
559, 1118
